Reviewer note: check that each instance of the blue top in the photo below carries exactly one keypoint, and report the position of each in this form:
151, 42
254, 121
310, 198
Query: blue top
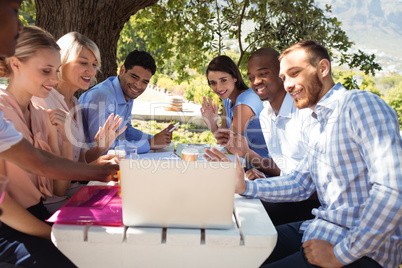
253, 133
354, 163
104, 99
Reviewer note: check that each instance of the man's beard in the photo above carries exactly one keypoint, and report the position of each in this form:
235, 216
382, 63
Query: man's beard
311, 95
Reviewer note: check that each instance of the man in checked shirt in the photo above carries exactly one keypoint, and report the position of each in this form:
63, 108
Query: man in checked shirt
353, 162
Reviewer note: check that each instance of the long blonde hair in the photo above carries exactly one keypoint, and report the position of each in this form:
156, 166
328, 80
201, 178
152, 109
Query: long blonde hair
71, 45
32, 38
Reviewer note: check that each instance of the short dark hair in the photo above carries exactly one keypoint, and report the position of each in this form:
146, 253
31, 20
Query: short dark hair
225, 64
315, 51
140, 58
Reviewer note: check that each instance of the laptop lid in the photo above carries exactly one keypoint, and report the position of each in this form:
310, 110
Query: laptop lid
165, 193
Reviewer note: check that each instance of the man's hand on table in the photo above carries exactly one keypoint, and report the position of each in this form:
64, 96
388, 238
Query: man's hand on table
215, 155
253, 174
234, 142
109, 164
162, 139
321, 253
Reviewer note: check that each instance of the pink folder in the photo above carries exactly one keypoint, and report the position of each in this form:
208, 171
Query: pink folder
97, 205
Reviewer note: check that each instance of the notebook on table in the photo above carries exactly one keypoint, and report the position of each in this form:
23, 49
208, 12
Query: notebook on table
162, 193
97, 205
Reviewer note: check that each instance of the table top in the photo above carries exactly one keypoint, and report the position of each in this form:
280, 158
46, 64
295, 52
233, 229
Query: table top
247, 243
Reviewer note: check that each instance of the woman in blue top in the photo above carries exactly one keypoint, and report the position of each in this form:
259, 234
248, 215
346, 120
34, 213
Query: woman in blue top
241, 105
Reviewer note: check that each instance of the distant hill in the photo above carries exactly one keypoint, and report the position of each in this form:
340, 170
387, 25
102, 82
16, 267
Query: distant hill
374, 25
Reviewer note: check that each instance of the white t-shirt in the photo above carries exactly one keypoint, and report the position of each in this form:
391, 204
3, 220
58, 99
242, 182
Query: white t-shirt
8, 135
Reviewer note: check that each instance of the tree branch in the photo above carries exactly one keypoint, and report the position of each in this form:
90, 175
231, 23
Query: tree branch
239, 31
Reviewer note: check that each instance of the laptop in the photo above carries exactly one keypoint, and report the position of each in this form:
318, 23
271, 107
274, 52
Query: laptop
165, 193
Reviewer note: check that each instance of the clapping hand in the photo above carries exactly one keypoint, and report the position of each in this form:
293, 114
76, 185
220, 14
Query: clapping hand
107, 134
58, 117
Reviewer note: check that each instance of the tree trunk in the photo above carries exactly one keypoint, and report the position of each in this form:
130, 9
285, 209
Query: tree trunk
100, 20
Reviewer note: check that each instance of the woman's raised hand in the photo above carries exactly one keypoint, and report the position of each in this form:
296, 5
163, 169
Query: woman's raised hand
209, 112
107, 134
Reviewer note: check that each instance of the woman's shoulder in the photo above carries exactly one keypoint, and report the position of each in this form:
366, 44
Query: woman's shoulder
251, 99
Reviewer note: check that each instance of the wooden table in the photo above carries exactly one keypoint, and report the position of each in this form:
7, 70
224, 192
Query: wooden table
247, 244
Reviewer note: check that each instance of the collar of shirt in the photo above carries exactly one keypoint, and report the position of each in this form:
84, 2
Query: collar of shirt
285, 111
329, 103
119, 92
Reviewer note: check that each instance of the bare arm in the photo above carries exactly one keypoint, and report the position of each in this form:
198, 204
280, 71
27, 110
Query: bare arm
57, 118
18, 218
237, 144
241, 115
47, 164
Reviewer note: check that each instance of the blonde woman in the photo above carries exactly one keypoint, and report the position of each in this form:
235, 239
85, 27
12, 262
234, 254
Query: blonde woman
31, 72
80, 61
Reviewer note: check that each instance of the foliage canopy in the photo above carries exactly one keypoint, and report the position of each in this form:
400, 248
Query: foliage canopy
186, 32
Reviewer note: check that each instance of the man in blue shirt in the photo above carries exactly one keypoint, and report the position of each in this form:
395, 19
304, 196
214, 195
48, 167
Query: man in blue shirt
116, 95
353, 162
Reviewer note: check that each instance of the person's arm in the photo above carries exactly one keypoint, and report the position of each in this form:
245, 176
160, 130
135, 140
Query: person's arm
18, 218
376, 130
237, 144
241, 115
47, 164
297, 186
56, 123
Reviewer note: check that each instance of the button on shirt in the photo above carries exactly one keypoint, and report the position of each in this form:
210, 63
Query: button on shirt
283, 133
354, 163
104, 99
8, 135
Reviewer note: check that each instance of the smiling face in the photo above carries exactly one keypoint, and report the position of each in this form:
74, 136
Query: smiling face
79, 72
264, 78
222, 84
40, 72
10, 26
134, 81
301, 80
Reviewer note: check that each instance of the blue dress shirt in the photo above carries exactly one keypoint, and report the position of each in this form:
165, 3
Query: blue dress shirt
104, 99
354, 162
253, 133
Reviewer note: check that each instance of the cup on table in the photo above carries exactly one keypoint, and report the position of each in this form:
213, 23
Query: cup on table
189, 154
131, 151
120, 151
